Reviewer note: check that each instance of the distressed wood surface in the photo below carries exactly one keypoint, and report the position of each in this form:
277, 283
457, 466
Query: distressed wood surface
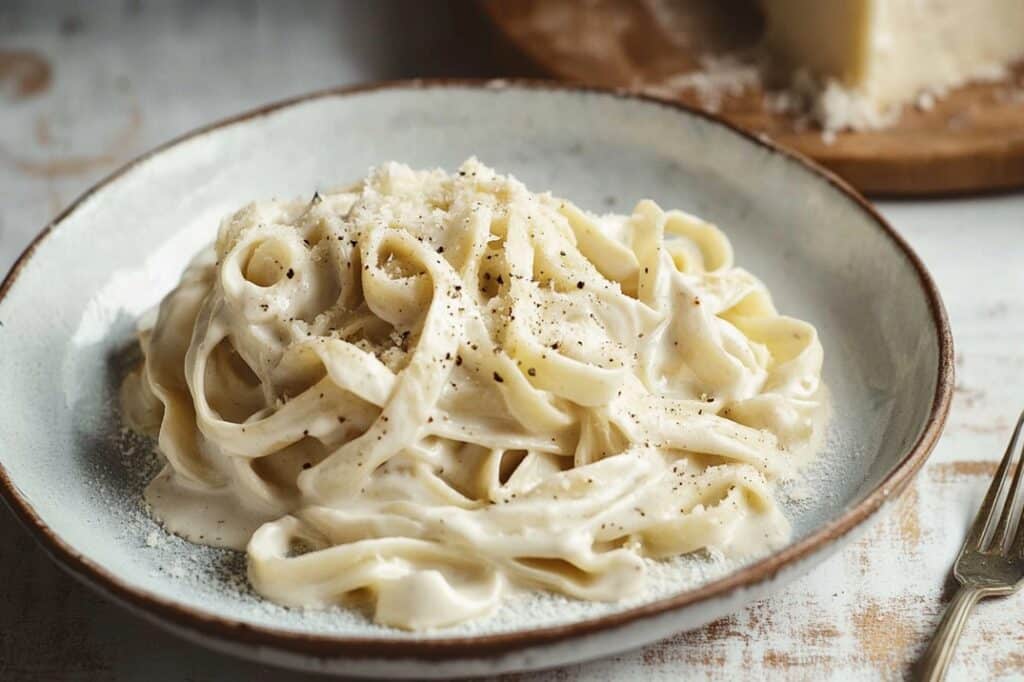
83, 91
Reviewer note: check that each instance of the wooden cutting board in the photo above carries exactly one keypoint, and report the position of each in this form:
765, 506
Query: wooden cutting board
972, 140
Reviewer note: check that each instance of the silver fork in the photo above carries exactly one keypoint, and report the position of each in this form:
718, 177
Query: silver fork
990, 564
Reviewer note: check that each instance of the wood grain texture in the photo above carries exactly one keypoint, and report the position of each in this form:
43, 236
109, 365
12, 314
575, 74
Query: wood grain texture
971, 140
124, 78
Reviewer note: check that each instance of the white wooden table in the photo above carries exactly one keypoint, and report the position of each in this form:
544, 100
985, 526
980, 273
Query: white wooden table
82, 92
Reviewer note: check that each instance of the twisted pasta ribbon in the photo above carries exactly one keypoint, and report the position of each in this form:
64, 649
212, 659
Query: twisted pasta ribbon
428, 388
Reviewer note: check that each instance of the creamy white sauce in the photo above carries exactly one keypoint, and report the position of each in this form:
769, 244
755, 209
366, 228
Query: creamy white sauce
428, 391
208, 517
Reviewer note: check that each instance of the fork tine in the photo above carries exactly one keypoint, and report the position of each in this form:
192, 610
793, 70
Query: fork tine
1006, 517
1017, 546
988, 509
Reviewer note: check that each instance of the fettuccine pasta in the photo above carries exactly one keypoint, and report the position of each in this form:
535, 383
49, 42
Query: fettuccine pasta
429, 389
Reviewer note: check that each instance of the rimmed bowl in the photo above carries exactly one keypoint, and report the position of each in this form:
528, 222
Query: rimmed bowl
69, 305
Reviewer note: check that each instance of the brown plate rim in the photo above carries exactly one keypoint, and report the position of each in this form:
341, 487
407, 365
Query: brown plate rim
228, 629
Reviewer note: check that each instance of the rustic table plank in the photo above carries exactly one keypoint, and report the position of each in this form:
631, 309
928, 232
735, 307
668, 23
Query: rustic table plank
81, 93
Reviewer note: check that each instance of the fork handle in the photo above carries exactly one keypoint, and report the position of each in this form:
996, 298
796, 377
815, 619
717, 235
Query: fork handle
940, 651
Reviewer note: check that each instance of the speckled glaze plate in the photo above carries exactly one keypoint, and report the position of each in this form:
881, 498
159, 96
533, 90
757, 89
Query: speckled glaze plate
68, 309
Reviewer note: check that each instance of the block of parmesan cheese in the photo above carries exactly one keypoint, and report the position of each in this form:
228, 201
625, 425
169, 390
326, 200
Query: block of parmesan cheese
865, 59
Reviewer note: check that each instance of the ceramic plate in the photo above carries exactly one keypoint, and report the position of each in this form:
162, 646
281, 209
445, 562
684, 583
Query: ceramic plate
69, 306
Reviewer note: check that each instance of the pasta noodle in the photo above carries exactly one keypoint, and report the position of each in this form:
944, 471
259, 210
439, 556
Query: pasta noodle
426, 390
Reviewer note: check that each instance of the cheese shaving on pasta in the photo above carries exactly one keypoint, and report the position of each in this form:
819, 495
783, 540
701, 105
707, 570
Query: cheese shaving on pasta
428, 389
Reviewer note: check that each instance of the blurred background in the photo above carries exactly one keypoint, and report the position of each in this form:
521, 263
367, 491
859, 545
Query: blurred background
85, 86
